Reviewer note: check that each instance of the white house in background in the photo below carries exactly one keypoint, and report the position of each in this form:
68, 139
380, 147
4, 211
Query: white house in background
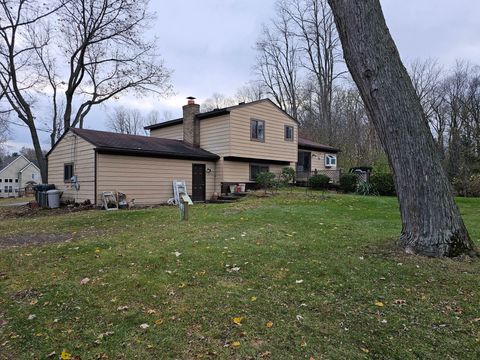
17, 175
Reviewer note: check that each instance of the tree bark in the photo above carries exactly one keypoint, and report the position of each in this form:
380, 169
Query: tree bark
432, 225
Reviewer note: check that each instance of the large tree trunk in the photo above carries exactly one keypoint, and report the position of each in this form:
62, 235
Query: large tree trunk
432, 224
42, 163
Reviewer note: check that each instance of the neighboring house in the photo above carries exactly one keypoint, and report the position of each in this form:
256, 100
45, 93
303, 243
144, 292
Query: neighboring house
17, 175
210, 151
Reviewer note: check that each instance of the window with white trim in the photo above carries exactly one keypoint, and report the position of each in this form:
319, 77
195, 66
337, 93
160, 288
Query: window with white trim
330, 160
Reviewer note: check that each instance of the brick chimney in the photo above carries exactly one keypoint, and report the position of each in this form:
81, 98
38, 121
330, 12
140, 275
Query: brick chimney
191, 127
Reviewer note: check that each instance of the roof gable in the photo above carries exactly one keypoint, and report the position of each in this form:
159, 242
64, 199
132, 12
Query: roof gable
13, 162
218, 112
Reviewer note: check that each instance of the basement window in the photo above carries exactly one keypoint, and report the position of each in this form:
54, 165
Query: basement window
257, 169
330, 160
67, 172
257, 130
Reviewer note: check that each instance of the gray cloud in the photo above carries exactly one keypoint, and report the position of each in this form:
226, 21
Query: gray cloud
210, 44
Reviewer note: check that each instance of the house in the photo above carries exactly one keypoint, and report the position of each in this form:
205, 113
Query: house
210, 151
18, 175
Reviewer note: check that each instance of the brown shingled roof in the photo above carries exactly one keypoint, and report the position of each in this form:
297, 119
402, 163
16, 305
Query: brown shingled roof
114, 143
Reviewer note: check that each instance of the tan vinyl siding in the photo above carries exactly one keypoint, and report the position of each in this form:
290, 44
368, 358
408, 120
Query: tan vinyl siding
147, 180
174, 132
73, 148
235, 171
275, 147
318, 161
214, 135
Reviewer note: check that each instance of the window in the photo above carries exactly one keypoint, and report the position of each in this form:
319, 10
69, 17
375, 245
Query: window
16, 190
10, 180
16, 180
6, 180
6, 188
33, 176
257, 130
330, 160
288, 133
0, 180
257, 169
10, 189
67, 172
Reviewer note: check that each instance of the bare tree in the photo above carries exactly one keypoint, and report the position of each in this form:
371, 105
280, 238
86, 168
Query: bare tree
96, 51
126, 121
278, 63
432, 224
217, 101
252, 91
314, 26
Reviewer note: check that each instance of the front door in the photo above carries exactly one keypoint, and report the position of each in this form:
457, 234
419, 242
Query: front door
198, 182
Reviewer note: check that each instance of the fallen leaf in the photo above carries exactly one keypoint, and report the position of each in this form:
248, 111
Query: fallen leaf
159, 322
298, 281
84, 281
237, 320
269, 324
32, 316
253, 298
379, 303
151, 311
365, 350
144, 326
177, 254
65, 355
236, 343
122, 308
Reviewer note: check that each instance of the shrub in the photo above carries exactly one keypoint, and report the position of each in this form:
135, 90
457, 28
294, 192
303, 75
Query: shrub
348, 183
468, 187
366, 189
265, 180
319, 182
474, 185
287, 175
383, 184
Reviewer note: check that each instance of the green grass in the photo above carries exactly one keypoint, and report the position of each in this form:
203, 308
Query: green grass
316, 267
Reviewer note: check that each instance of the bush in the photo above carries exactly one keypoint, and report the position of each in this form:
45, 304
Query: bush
468, 187
287, 175
348, 183
319, 182
265, 180
383, 184
366, 189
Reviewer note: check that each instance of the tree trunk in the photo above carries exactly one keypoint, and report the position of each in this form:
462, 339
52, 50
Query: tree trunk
42, 163
432, 224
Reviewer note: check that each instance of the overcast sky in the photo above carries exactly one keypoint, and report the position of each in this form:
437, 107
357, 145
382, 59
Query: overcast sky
209, 45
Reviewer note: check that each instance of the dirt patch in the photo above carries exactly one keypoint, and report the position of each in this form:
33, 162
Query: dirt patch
33, 239
32, 211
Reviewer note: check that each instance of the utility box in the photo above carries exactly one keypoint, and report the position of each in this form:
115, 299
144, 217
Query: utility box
53, 198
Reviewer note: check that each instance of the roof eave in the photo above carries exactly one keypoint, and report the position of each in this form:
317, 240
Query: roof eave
148, 153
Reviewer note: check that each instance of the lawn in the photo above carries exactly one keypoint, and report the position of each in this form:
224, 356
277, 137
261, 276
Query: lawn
293, 276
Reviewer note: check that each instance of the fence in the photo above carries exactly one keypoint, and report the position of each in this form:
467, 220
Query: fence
334, 175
